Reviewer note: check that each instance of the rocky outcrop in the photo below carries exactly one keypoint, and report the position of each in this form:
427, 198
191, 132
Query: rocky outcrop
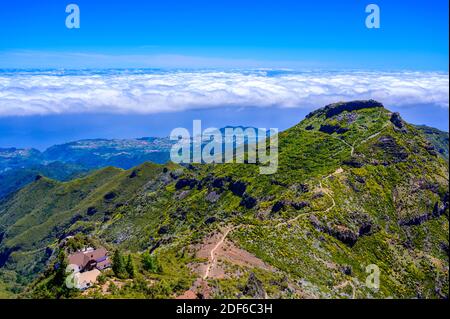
156, 246
163, 230
415, 221
254, 288
133, 174
330, 129
179, 214
348, 118
390, 147
174, 175
438, 211
337, 108
365, 229
238, 188
278, 206
431, 149
300, 188
110, 196
4, 255
397, 120
75, 219
186, 182
248, 201
299, 205
353, 163
212, 197
344, 234
210, 220
91, 211
346, 270
220, 182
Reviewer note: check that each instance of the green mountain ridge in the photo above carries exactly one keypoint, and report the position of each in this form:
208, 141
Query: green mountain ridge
18, 167
14, 179
355, 186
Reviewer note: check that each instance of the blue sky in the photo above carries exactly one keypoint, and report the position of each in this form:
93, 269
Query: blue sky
227, 62
326, 33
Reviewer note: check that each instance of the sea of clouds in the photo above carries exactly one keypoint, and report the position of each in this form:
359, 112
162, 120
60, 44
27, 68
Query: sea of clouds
36, 92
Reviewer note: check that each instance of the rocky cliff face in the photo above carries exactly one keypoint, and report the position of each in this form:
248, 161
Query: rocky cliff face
337, 108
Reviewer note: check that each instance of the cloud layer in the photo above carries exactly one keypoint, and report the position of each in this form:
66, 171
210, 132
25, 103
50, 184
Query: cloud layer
145, 91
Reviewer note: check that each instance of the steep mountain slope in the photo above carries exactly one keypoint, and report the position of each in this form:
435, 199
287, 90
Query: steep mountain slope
438, 138
355, 186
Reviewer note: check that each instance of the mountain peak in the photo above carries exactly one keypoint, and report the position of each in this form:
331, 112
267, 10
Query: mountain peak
333, 109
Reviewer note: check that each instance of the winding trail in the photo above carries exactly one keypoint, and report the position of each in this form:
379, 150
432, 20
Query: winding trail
326, 192
212, 255
374, 135
212, 260
352, 147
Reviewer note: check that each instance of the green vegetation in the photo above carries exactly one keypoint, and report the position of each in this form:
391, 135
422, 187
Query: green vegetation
130, 267
150, 263
119, 266
16, 178
354, 187
438, 138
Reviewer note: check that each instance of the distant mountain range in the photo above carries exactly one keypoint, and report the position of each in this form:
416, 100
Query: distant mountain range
18, 167
93, 153
63, 162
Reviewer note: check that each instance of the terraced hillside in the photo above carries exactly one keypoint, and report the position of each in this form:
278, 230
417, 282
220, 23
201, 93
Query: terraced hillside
356, 186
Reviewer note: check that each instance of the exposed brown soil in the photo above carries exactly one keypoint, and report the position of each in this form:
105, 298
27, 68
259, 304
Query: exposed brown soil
221, 253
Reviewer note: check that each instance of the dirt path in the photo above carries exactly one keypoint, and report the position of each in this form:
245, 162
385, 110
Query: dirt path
352, 147
373, 135
212, 260
325, 191
223, 249
212, 254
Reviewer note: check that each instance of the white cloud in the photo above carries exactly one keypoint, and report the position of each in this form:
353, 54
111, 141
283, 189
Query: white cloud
33, 93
